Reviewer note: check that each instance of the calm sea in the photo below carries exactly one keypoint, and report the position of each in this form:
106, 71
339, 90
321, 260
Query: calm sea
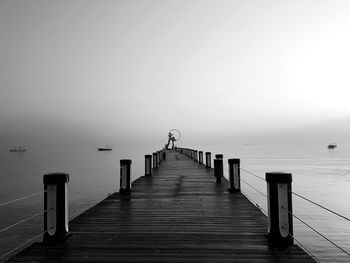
319, 174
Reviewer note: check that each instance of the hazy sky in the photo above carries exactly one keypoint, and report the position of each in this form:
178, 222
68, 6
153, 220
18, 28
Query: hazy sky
117, 70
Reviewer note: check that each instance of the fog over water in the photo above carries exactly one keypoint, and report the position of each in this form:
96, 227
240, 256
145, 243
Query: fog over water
120, 72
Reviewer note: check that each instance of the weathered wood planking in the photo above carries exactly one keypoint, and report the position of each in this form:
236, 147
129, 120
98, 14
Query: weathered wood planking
180, 214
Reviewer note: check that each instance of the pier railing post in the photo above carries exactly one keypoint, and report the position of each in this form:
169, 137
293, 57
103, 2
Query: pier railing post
218, 169
200, 153
148, 165
155, 161
279, 198
125, 174
56, 207
208, 159
234, 175
158, 157
195, 155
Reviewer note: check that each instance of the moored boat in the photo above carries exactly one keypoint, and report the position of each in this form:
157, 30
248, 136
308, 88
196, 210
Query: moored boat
18, 149
332, 146
105, 148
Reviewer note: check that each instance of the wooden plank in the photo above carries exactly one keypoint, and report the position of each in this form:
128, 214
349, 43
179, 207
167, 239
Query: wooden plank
180, 214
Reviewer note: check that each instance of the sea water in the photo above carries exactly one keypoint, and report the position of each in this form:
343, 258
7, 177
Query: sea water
319, 174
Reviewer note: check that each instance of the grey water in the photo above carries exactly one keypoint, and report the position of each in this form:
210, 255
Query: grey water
319, 174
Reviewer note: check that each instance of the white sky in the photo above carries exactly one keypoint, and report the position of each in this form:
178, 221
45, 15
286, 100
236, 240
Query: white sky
133, 68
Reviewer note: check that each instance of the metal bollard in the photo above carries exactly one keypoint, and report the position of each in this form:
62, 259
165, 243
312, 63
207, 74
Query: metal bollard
234, 175
208, 159
195, 155
158, 157
148, 165
164, 155
56, 207
155, 161
200, 153
218, 169
280, 219
125, 173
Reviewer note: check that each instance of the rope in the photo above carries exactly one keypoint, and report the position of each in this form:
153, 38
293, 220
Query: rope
22, 198
321, 206
24, 243
254, 188
24, 220
334, 244
300, 196
254, 202
302, 221
257, 176
81, 210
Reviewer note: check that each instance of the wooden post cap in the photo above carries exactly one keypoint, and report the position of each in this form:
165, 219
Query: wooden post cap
55, 178
278, 177
125, 161
234, 161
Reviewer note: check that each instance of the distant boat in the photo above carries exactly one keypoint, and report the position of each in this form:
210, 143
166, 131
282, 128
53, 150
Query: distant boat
106, 148
18, 149
332, 146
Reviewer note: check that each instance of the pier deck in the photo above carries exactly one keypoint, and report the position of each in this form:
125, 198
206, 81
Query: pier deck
180, 214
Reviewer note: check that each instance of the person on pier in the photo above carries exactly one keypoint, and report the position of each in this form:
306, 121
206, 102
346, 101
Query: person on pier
172, 139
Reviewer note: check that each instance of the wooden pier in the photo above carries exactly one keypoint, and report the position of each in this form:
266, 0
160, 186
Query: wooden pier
179, 214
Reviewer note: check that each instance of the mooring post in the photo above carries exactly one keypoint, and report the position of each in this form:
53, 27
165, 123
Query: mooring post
234, 175
219, 156
55, 207
195, 155
218, 169
192, 154
164, 155
125, 173
155, 161
280, 217
148, 165
208, 159
200, 153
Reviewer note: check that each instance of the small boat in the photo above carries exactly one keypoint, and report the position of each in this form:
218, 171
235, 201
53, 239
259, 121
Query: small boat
104, 149
19, 149
332, 146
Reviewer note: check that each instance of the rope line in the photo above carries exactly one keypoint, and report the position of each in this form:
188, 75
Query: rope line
254, 203
326, 238
302, 221
81, 210
302, 197
257, 176
24, 243
321, 206
254, 188
24, 197
24, 220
